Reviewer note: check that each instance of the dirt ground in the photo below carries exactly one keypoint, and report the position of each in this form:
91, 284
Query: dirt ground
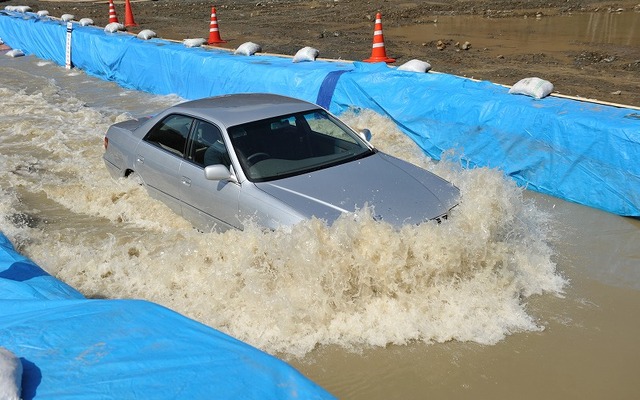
343, 29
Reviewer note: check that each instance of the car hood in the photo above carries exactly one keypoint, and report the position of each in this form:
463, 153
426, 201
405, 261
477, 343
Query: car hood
398, 191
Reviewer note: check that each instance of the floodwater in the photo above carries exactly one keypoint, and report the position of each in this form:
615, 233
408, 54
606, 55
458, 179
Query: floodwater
518, 295
546, 34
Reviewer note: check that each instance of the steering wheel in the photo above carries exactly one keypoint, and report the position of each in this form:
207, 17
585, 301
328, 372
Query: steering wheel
255, 157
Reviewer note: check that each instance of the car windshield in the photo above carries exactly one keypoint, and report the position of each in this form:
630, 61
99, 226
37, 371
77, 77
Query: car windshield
294, 144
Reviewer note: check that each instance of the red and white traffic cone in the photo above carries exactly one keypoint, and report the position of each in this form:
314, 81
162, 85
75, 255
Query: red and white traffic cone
128, 14
214, 32
112, 13
378, 53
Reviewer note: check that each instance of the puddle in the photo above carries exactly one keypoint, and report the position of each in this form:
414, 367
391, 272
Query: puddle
514, 35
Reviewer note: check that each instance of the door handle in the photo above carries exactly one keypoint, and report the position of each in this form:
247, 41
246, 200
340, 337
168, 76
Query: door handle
186, 181
140, 159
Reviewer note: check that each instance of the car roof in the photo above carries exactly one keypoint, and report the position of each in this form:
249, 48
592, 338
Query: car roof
235, 109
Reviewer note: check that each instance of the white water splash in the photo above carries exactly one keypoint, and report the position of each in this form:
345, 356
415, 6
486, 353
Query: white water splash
354, 284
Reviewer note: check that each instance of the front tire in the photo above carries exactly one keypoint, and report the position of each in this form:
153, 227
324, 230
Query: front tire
133, 175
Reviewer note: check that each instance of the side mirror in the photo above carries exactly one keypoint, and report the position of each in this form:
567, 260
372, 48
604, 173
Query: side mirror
365, 134
219, 172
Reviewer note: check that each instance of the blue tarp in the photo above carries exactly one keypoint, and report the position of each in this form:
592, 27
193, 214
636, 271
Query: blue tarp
77, 348
579, 151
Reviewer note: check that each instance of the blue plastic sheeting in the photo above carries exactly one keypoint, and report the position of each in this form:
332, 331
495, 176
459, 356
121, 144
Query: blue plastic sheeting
21, 279
75, 348
578, 151
164, 67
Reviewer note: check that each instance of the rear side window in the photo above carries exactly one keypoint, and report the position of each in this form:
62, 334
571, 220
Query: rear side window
171, 134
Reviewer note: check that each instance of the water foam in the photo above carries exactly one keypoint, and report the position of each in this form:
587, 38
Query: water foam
354, 284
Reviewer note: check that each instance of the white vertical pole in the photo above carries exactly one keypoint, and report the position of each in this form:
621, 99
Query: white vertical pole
68, 52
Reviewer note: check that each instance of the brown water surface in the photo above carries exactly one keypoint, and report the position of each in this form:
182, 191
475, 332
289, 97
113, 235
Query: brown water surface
110, 239
588, 350
547, 34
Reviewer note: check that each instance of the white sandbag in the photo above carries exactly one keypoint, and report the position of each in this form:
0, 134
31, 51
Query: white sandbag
415, 66
22, 9
146, 34
42, 13
248, 49
86, 22
10, 375
194, 42
534, 87
10, 8
15, 53
67, 17
306, 54
114, 27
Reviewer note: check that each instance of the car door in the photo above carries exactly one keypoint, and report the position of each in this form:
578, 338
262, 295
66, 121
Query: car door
159, 157
209, 205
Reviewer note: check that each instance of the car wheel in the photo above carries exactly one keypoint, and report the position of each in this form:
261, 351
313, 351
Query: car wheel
133, 175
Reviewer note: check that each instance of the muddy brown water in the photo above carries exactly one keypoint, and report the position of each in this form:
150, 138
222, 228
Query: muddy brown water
504, 327
552, 34
588, 350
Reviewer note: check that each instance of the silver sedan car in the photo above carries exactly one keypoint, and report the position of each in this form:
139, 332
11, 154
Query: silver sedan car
275, 160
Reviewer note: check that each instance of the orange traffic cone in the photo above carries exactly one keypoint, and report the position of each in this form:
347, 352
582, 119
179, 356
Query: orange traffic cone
378, 53
112, 13
214, 33
128, 15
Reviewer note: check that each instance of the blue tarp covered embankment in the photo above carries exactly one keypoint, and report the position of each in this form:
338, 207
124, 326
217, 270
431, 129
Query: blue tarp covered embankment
76, 348
579, 151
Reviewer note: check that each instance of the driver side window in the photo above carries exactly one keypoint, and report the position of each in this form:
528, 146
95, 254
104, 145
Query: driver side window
207, 145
